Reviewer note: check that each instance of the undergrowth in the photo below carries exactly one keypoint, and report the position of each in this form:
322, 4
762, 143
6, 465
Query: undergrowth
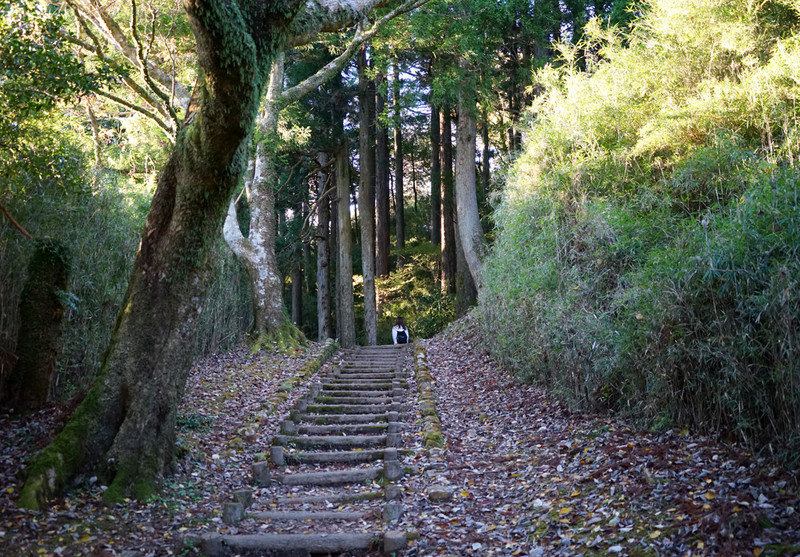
648, 241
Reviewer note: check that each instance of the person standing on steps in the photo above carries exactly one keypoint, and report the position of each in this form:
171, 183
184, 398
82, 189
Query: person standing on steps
400, 332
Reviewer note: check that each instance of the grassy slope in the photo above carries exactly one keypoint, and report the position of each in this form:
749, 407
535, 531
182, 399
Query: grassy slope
647, 257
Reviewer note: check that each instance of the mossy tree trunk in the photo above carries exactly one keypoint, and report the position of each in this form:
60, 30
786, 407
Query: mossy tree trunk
124, 429
324, 329
38, 340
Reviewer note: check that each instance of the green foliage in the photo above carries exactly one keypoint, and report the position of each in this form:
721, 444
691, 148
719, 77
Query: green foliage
37, 67
647, 238
413, 292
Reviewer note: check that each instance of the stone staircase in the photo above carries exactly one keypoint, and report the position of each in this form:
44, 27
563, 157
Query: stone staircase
330, 487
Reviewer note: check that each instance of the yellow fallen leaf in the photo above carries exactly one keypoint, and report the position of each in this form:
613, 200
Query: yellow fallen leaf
757, 551
565, 510
710, 495
655, 534
575, 493
10, 490
700, 544
464, 493
706, 507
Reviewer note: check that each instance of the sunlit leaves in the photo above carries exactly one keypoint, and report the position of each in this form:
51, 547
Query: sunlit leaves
37, 67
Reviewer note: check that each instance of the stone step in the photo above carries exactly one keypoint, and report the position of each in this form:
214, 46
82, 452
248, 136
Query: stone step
339, 400
333, 457
312, 516
330, 441
369, 367
356, 392
340, 477
331, 499
349, 429
324, 409
368, 387
365, 376
364, 418
287, 545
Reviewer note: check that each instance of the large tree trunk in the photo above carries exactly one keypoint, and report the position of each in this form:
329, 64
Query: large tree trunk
127, 420
345, 316
436, 178
448, 206
469, 224
124, 429
323, 254
257, 251
382, 201
399, 210
366, 197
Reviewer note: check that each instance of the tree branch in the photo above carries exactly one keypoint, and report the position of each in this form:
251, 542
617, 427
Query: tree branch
17, 225
114, 33
334, 66
170, 133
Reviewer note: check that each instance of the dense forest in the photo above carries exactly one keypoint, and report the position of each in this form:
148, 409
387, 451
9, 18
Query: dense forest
610, 186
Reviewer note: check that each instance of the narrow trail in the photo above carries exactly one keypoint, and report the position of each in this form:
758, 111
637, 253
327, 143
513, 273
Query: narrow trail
330, 483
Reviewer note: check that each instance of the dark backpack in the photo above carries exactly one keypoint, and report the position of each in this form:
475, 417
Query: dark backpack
402, 337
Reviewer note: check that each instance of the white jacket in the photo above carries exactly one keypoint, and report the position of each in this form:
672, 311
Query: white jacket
397, 328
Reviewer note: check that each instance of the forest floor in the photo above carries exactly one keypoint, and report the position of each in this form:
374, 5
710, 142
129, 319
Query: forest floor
526, 475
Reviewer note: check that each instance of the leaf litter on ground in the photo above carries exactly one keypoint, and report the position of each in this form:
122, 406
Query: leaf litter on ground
520, 473
528, 476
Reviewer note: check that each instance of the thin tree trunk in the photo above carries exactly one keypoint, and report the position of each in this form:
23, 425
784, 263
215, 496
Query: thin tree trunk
400, 217
257, 251
436, 178
323, 257
346, 319
382, 187
366, 198
469, 224
486, 172
448, 207
97, 144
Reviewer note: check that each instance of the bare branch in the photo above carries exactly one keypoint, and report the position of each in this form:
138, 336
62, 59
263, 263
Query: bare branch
334, 66
170, 133
115, 35
145, 72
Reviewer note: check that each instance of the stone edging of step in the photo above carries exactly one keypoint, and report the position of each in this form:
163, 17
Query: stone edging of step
432, 436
